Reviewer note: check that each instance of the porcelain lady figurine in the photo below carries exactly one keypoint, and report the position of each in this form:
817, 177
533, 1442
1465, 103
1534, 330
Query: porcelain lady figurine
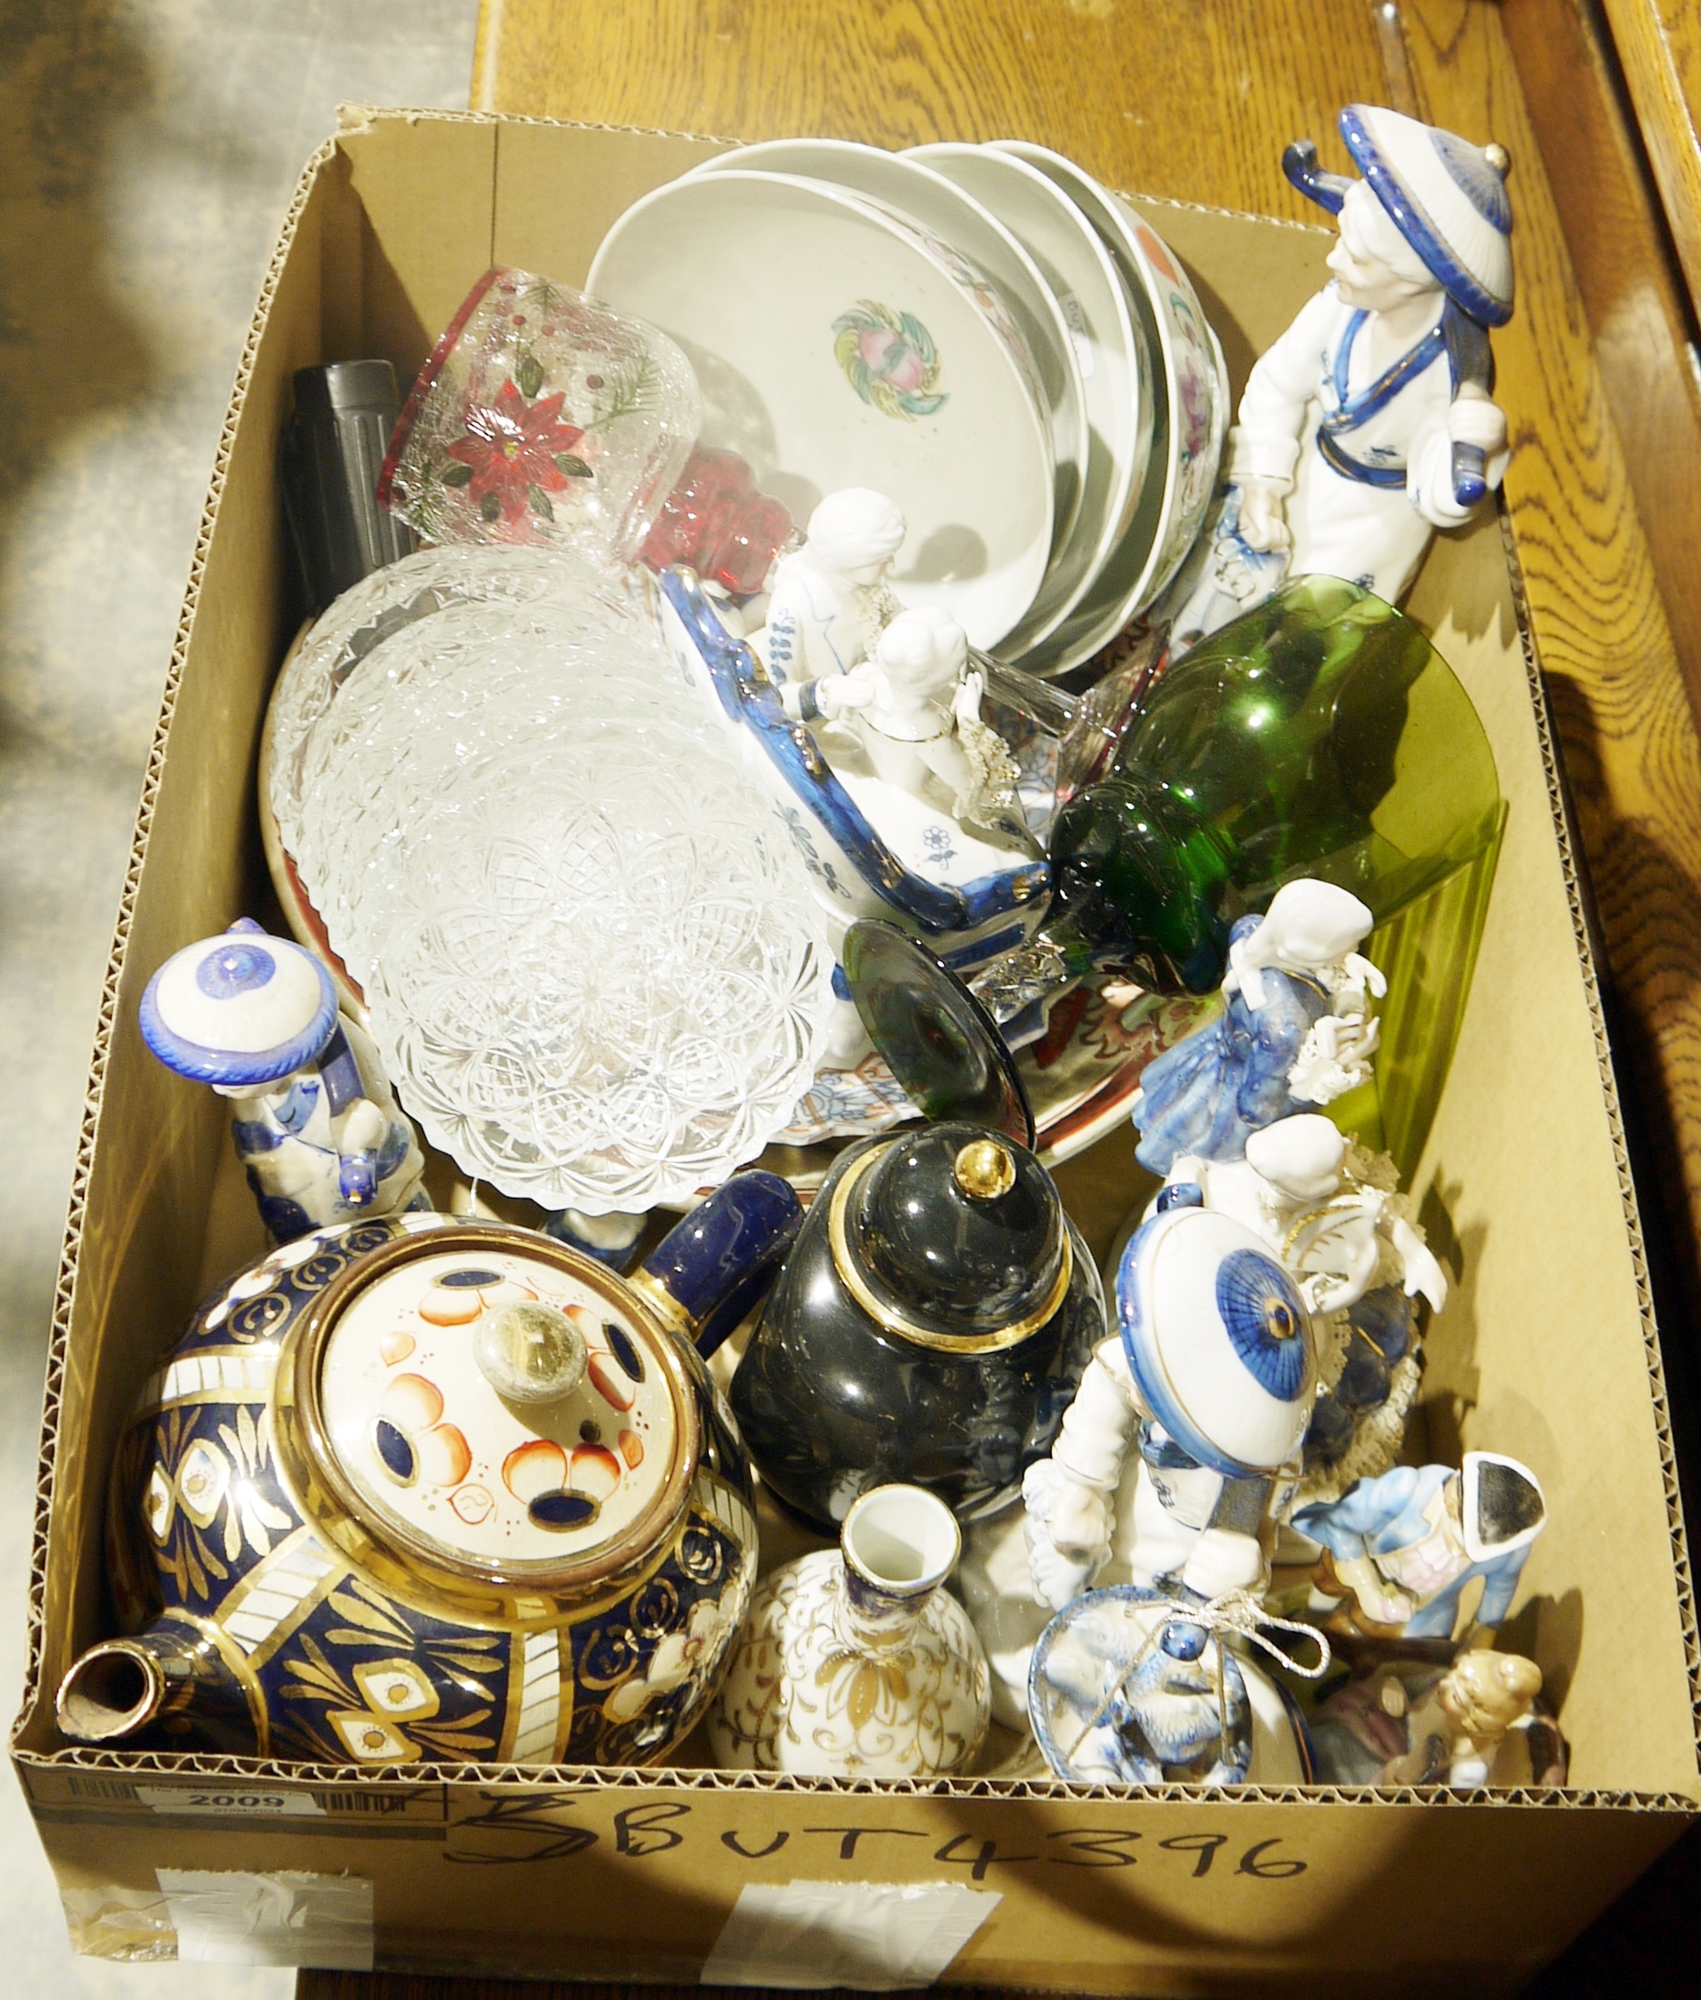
424, 1488
830, 598
314, 1120
1369, 424
1328, 1208
915, 705
1296, 1029
854, 1662
1410, 1724
1399, 1551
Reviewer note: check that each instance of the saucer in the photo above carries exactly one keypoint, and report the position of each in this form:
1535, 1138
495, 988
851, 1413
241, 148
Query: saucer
1095, 305
835, 347
961, 231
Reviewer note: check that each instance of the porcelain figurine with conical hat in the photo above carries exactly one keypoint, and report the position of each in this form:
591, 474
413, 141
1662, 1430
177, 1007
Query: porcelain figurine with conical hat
1369, 424
313, 1117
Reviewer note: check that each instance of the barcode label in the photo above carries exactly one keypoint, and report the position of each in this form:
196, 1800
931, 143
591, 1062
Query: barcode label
246, 1803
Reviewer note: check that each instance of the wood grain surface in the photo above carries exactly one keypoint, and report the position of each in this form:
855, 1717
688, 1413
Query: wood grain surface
1602, 634
1659, 44
1628, 279
1194, 100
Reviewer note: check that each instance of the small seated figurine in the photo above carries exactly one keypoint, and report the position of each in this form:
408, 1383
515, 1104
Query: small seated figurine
830, 598
1399, 1551
315, 1123
1296, 1029
1369, 424
1406, 1724
915, 705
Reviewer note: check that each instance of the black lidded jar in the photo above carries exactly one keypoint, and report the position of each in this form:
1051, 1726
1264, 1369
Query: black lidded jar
930, 1327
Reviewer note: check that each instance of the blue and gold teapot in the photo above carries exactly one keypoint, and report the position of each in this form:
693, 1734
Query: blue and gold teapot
421, 1487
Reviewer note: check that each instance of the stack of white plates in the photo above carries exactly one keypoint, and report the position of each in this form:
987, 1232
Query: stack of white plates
982, 332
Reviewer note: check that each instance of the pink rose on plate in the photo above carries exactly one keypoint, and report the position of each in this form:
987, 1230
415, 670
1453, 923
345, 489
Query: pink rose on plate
890, 357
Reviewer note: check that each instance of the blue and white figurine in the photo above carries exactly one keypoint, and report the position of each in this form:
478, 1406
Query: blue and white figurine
1214, 1374
314, 1119
1123, 1693
1369, 424
830, 598
1296, 1030
1399, 1551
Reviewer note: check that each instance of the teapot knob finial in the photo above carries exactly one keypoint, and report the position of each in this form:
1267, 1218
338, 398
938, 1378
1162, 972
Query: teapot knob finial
531, 1353
984, 1169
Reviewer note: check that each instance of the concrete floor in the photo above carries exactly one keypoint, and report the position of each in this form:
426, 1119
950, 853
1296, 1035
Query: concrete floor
147, 150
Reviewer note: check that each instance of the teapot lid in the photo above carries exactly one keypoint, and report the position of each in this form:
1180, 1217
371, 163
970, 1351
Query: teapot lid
493, 1407
952, 1235
937, 1039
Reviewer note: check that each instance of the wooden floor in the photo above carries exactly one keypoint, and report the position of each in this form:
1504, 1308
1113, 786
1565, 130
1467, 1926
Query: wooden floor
1194, 100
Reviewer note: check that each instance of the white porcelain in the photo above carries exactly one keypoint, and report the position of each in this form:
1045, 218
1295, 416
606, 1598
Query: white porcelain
834, 348
853, 1662
1122, 586
1096, 1639
1078, 269
961, 228
1177, 328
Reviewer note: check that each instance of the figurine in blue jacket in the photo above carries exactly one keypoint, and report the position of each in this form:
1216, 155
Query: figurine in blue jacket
1400, 1551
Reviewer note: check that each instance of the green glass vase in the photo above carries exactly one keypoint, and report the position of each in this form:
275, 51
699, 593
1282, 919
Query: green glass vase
1318, 734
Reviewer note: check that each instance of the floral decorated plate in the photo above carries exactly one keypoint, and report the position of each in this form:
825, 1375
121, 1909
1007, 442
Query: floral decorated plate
1078, 269
1080, 1076
1182, 358
835, 347
961, 230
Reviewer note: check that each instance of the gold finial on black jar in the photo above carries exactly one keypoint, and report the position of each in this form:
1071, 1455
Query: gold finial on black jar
929, 1327
984, 1170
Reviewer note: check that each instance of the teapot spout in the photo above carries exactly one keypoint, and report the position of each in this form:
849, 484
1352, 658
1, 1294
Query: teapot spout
170, 1682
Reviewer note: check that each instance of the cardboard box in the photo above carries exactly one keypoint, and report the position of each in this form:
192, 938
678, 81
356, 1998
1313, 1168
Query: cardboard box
1547, 1351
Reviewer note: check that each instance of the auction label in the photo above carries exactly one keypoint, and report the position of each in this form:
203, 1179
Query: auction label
243, 1801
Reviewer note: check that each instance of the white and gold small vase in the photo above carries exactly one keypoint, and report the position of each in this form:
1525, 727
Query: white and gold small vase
854, 1662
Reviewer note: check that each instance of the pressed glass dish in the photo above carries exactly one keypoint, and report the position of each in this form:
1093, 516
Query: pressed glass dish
586, 944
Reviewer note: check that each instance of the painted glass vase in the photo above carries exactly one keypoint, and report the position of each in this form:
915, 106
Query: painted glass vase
854, 1662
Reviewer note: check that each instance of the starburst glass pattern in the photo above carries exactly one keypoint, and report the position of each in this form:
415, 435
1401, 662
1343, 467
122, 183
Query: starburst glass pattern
591, 957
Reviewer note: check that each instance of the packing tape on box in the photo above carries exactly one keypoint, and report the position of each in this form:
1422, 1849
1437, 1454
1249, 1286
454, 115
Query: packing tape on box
870, 1935
227, 1917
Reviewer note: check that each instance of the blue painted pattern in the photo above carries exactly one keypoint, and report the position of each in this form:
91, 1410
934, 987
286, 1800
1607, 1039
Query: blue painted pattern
1266, 1321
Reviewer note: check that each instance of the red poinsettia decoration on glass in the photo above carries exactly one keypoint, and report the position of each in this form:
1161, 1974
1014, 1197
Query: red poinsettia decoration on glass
518, 453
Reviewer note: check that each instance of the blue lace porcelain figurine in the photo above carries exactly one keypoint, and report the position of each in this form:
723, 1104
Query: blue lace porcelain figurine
315, 1122
1295, 1030
1111, 1706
